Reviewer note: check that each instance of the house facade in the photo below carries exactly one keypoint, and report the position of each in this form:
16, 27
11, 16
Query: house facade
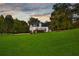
42, 25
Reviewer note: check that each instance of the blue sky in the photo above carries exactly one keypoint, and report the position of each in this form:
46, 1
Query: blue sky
23, 11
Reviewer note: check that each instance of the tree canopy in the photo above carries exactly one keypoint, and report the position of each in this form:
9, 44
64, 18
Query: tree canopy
33, 21
61, 17
10, 25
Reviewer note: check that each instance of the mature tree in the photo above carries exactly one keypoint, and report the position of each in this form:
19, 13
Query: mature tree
33, 21
2, 24
76, 15
20, 26
8, 23
61, 17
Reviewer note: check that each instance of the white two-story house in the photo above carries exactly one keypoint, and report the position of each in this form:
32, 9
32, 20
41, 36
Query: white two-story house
42, 25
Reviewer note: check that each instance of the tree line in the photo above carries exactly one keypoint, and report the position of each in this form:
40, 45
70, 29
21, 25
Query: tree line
65, 16
10, 25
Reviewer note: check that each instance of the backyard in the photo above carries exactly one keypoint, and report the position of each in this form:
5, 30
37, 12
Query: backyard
64, 43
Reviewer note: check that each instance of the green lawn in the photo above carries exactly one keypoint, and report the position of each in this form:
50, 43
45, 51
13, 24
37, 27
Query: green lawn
65, 43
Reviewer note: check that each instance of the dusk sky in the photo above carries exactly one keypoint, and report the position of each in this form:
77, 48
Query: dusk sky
24, 11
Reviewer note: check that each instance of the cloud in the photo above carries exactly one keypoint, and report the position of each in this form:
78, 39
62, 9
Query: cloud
24, 10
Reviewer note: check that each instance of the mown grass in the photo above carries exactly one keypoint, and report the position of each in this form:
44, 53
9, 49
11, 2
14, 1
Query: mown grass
64, 43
